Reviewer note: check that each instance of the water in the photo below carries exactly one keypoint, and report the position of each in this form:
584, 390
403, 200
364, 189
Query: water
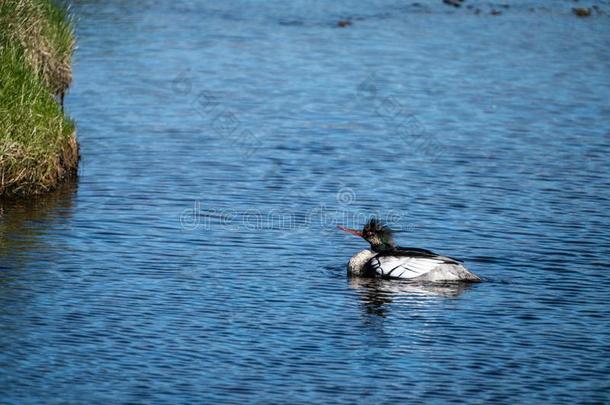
196, 257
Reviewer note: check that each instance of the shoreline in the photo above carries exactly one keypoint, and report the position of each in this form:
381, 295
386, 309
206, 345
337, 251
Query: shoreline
38, 145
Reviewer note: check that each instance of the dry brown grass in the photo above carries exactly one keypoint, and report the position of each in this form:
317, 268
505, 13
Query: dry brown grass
25, 172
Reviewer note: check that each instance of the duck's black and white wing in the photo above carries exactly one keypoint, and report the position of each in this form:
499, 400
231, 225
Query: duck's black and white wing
388, 266
419, 264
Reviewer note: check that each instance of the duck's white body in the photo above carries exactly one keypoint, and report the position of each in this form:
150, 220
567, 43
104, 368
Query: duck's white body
402, 266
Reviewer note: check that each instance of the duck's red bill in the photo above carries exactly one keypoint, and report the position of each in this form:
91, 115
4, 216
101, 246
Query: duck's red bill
349, 230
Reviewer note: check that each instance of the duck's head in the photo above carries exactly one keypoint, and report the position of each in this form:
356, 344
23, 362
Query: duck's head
375, 233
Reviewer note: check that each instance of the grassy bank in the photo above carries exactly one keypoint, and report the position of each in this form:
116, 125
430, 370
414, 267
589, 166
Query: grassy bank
38, 145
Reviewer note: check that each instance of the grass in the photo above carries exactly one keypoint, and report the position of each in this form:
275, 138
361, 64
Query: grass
38, 146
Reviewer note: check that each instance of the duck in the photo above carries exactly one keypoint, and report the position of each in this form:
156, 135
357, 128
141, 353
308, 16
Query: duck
388, 261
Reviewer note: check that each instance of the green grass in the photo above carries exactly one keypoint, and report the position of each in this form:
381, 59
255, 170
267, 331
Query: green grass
37, 140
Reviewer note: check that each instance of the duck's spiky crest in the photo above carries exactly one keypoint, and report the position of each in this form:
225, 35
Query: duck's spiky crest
379, 235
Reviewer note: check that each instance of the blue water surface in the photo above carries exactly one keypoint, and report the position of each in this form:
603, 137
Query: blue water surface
196, 258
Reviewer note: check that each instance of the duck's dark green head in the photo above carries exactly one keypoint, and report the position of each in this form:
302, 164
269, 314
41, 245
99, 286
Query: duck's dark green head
375, 233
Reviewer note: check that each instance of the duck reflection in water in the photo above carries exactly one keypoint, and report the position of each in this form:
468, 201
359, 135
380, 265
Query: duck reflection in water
376, 294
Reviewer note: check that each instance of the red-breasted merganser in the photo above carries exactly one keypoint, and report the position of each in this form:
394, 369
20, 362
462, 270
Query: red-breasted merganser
386, 260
